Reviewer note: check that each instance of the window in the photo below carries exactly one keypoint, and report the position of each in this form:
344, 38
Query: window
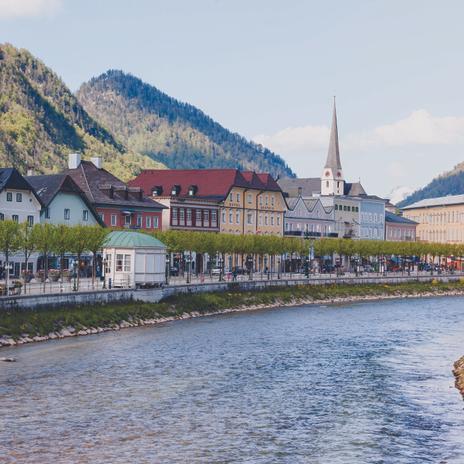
182, 216
260, 200
237, 217
272, 219
119, 259
238, 197
189, 217
231, 196
278, 220
265, 220
139, 220
47, 213
114, 220
155, 222
19, 197
206, 218
327, 183
249, 198
267, 200
336, 207
231, 217
102, 217
198, 216
2, 217
127, 219
250, 218
9, 196
108, 264
214, 218
30, 221
223, 217
272, 200
85, 215
148, 222
174, 216
15, 218
67, 214
127, 263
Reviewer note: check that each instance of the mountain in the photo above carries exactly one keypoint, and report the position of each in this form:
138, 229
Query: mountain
451, 183
41, 121
177, 134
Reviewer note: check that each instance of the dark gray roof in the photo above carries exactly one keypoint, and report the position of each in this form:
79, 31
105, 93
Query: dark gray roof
97, 183
333, 156
438, 201
354, 189
48, 186
11, 178
394, 218
308, 186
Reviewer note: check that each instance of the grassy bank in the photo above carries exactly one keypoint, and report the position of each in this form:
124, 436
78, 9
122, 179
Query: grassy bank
15, 324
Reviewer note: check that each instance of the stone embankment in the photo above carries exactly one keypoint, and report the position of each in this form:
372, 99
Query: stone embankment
70, 331
458, 372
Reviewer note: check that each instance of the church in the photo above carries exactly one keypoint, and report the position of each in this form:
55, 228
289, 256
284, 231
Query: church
355, 214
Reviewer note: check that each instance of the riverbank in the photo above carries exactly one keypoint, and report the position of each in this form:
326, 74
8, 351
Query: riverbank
18, 326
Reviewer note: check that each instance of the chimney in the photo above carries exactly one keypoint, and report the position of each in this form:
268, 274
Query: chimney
74, 160
97, 161
300, 191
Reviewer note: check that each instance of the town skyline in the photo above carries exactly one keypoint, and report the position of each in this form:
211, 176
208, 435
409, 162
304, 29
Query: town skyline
276, 88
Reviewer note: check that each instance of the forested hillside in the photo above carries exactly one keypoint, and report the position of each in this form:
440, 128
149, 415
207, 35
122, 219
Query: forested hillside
41, 121
179, 135
447, 184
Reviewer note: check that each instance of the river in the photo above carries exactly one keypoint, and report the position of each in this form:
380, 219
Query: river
358, 383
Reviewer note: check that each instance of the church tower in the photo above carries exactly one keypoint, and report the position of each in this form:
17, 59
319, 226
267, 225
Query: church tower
332, 182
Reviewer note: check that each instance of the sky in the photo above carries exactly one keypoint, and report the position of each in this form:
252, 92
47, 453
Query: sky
269, 69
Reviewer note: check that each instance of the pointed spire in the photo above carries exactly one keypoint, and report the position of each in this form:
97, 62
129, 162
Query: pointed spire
333, 156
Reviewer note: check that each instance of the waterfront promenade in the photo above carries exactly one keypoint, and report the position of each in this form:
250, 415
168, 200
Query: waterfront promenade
87, 285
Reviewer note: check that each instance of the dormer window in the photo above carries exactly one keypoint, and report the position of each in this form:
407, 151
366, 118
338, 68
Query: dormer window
157, 190
193, 189
175, 190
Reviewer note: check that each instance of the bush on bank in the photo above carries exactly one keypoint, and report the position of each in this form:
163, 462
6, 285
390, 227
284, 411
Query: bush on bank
17, 323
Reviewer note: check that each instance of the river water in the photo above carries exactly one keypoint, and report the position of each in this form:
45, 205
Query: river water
358, 383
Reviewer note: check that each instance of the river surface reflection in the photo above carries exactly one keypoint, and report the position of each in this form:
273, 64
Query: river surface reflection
358, 383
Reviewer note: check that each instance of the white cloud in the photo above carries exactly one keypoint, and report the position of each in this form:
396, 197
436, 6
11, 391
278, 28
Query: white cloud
419, 128
17, 8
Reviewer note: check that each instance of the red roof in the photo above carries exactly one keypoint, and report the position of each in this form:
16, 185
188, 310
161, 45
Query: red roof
209, 183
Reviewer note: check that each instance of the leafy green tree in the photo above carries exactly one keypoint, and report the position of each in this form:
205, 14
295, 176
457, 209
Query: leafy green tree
9, 244
44, 238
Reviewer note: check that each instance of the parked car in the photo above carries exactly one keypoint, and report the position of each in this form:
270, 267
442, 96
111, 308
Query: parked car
216, 271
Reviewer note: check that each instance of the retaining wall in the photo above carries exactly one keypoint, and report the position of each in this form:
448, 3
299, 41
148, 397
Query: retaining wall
154, 295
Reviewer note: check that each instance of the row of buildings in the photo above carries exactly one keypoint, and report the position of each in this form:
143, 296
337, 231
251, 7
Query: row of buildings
212, 200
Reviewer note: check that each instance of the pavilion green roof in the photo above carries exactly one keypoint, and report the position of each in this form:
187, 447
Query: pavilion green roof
130, 239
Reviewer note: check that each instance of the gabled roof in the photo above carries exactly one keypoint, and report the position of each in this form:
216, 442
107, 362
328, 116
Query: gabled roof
309, 186
48, 186
10, 178
354, 189
97, 183
212, 184
395, 218
310, 204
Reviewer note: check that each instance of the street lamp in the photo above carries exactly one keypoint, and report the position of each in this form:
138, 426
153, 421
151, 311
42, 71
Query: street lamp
168, 268
75, 276
105, 262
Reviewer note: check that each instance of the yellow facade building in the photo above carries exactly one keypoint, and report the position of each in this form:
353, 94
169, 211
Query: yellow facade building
439, 219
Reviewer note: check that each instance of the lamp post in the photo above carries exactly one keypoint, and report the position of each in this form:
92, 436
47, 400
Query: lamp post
75, 266
168, 268
105, 262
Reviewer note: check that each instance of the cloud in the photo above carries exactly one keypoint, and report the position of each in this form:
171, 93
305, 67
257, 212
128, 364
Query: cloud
18, 8
295, 139
419, 128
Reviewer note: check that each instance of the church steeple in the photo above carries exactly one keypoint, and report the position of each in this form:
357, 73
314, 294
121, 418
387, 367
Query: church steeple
332, 182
